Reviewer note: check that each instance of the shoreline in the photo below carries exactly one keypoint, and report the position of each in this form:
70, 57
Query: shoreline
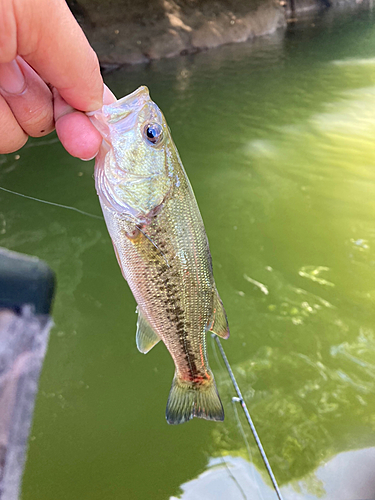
176, 28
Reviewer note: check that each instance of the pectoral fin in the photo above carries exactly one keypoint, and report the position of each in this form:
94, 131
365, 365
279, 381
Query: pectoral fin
219, 322
146, 338
118, 260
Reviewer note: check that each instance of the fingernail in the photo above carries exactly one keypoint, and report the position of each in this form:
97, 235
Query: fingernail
12, 80
88, 159
108, 96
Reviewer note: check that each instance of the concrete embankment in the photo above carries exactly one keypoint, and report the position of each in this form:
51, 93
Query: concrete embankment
128, 32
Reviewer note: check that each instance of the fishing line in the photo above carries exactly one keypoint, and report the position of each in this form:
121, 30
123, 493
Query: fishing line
155, 245
52, 203
240, 426
240, 399
216, 338
233, 478
80, 212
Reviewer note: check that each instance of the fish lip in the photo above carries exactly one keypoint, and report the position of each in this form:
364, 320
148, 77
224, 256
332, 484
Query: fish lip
124, 112
134, 102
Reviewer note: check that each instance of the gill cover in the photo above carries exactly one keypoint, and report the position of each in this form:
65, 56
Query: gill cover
132, 174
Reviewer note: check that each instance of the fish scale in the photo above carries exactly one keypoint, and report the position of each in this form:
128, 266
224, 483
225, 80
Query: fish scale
161, 246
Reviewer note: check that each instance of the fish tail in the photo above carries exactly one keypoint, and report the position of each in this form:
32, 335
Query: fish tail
188, 399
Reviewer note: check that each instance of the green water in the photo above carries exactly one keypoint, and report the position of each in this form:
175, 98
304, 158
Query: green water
277, 137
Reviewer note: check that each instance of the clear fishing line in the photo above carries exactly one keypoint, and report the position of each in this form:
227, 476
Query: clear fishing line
51, 203
248, 417
231, 475
243, 434
216, 338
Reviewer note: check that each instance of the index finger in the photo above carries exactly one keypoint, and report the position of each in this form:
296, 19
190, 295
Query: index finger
46, 35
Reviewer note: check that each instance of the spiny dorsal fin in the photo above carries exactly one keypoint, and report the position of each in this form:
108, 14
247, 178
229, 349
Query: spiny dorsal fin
146, 338
219, 322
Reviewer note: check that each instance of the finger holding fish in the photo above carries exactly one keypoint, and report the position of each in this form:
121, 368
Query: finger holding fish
74, 128
28, 104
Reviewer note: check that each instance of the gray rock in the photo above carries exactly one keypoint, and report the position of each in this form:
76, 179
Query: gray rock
128, 32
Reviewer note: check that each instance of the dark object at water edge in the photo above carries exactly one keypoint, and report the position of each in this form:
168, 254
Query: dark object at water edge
26, 292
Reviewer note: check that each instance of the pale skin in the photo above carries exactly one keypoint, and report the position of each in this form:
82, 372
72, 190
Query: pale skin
49, 77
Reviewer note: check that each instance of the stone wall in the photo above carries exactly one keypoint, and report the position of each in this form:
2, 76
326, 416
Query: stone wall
125, 31
134, 31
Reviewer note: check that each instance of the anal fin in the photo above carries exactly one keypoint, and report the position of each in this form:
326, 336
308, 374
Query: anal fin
146, 337
219, 322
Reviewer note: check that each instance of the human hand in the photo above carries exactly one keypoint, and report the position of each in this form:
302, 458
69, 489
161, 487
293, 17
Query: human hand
40, 43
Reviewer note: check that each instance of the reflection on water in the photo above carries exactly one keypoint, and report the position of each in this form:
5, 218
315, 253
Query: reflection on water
313, 273
227, 477
347, 476
277, 139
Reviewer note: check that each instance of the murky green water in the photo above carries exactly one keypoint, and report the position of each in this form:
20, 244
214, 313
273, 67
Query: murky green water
277, 137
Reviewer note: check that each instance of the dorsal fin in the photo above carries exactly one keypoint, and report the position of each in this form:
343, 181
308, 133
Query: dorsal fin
146, 338
219, 322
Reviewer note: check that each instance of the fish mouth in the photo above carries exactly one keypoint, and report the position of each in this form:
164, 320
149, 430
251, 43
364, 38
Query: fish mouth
140, 96
133, 102
122, 115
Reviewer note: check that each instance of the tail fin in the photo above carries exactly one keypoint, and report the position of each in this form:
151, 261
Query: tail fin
187, 400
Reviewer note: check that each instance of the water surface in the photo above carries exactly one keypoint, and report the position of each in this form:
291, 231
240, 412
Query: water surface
277, 137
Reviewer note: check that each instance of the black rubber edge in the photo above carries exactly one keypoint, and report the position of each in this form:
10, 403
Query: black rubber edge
25, 280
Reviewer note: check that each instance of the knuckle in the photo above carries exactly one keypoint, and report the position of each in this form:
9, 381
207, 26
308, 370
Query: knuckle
38, 121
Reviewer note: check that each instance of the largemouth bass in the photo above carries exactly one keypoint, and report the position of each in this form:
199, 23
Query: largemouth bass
161, 247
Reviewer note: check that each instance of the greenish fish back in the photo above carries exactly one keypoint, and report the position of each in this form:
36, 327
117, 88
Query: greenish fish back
187, 400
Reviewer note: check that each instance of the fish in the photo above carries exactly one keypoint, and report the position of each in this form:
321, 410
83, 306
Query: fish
161, 246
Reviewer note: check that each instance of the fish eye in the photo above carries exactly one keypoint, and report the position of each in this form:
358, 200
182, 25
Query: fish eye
153, 133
